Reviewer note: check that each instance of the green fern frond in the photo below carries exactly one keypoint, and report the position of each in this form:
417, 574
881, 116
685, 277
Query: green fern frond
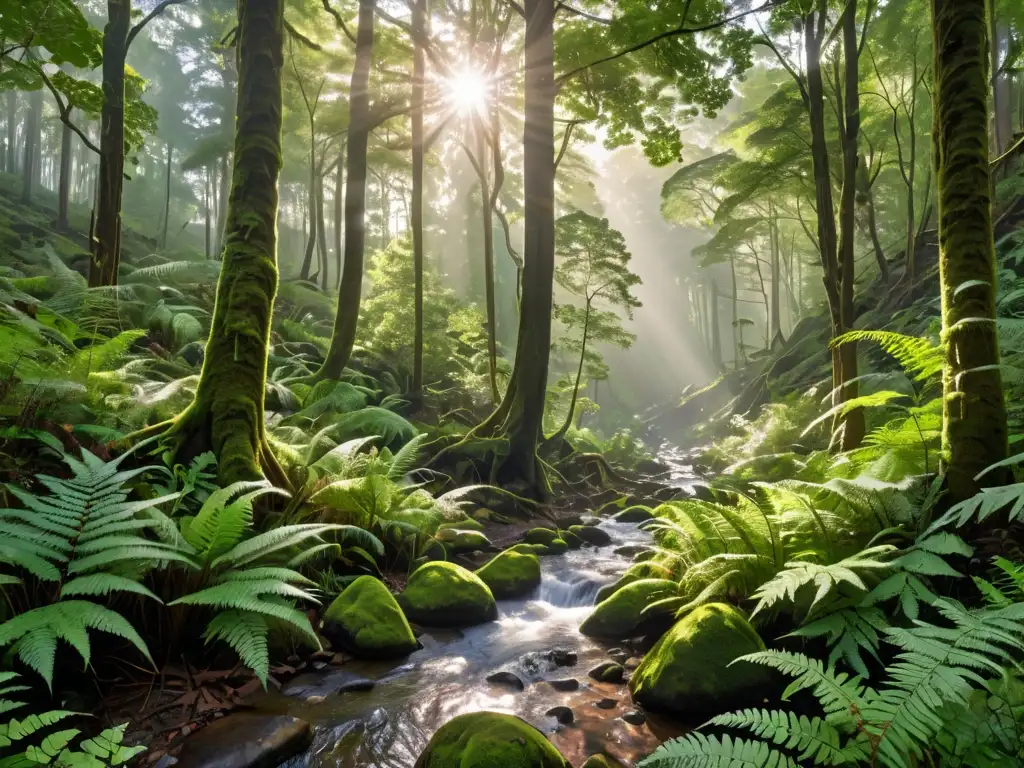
246, 633
817, 741
698, 750
918, 357
404, 461
839, 693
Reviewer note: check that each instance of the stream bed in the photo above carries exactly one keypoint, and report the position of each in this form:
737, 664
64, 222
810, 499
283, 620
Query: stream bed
382, 714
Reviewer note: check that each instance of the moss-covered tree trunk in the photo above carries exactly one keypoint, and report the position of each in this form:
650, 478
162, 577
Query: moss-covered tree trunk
227, 413
974, 424
351, 289
419, 13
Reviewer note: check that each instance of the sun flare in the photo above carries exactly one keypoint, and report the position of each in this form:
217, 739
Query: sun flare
468, 91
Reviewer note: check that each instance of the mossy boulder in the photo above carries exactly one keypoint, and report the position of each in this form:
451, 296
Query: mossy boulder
556, 547
622, 614
528, 549
635, 514
511, 574
489, 740
458, 540
597, 537
443, 594
541, 536
469, 524
635, 572
571, 539
367, 621
687, 672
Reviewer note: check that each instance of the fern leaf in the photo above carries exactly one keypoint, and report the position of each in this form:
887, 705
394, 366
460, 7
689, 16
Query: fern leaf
698, 750
838, 693
102, 584
818, 741
246, 633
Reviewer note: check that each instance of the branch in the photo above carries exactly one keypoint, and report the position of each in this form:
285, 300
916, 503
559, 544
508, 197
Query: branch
64, 111
681, 30
566, 138
582, 14
515, 7
301, 37
160, 8
797, 77
338, 21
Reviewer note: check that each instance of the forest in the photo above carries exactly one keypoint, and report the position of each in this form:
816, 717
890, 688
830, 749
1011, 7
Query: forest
512, 383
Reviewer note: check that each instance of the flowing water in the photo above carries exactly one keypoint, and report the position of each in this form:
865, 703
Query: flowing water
388, 726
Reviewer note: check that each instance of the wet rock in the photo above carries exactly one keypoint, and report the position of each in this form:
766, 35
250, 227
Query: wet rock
544, 536
377, 719
571, 539
635, 514
489, 739
635, 573
446, 595
246, 740
651, 467
631, 550
592, 534
459, 541
511, 575
607, 704
562, 714
634, 717
618, 654
590, 520
608, 672
625, 613
528, 549
565, 521
564, 658
311, 685
506, 679
632, 663
467, 524
569, 684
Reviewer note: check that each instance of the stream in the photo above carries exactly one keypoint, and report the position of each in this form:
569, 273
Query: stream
388, 725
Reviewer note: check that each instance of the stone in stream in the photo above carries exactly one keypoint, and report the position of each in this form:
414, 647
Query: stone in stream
631, 550
571, 539
459, 541
634, 514
563, 715
543, 536
608, 672
618, 654
488, 740
569, 684
598, 537
563, 657
506, 679
511, 575
635, 573
626, 613
246, 740
366, 620
634, 717
607, 704
443, 594
313, 686
590, 520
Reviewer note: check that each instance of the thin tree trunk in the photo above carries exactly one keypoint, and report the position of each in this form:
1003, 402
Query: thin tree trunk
322, 232
64, 185
974, 423
867, 195
737, 345
350, 291
12, 132
206, 205
716, 329
307, 258
29, 172
167, 196
776, 309
222, 203
579, 376
339, 197
419, 13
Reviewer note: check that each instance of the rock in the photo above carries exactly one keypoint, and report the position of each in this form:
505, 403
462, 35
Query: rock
631, 550
618, 654
569, 684
601, 761
591, 534
468, 524
246, 740
608, 672
458, 540
563, 715
528, 549
447, 595
563, 657
590, 520
635, 572
634, 717
556, 547
511, 574
543, 536
635, 514
571, 539
632, 663
644, 556
488, 740
688, 673
651, 467
507, 679
366, 620
566, 521
310, 686
607, 704
623, 614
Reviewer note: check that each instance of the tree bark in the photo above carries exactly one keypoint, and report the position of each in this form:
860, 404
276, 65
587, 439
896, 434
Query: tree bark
12, 128
974, 423
31, 138
167, 196
419, 13
579, 376
339, 197
350, 291
776, 298
487, 230
867, 199
206, 205
222, 203
64, 185
227, 413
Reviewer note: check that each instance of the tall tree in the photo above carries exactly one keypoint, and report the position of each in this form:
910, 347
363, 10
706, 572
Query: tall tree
974, 423
419, 13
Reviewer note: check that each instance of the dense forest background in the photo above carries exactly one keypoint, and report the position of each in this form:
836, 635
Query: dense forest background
321, 317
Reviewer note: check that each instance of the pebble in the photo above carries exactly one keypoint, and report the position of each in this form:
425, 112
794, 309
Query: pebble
562, 714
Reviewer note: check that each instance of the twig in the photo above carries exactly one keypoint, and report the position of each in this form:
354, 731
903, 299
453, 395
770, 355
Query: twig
133, 33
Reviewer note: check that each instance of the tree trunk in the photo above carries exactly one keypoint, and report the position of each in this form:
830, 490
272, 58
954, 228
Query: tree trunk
227, 413
1002, 106
419, 13
776, 278
322, 232
339, 197
106, 242
974, 423
167, 196
64, 185
222, 203
739, 353
579, 376
487, 221
852, 424
350, 291
307, 258
29, 172
206, 205
12, 132
867, 198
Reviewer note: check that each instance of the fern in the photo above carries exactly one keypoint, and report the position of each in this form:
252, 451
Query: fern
919, 357
698, 750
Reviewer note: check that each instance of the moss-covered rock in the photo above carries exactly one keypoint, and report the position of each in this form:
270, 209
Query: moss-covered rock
635, 514
528, 549
687, 672
601, 761
556, 547
571, 539
444, 594
511, 574
458, 540
622, 614
366, 621
489, 740
541, 536
598, 537
469, 524
608, 672
635, 572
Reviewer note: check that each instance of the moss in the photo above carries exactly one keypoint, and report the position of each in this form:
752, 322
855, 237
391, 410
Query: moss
556, 547
571, 539
511, 574
458, 541
591, 534
687, 672
601, 761
465, 525
635, 514
543, 536
635, 572
446, 595
622, 615
529, 549
367, 621
489, 740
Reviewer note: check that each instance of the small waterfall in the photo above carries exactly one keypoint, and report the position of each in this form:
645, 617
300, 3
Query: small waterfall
571, 589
